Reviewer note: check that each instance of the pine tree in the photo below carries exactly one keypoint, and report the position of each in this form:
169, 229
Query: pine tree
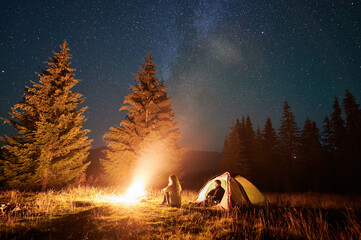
258, 160
353, 121
248, 138
328, 150
327, 136
272, 164
270, 136
148, 138
233, 159
335, 137
312, 158
51, 147
249, 129
337, 126
352, 146
289, 141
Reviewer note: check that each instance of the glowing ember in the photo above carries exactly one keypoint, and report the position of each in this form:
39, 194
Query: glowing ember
133, 195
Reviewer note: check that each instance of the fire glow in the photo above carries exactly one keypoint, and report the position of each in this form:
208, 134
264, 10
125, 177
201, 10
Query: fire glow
133, 195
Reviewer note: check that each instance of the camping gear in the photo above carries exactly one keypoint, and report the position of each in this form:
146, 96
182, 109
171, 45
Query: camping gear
238, 191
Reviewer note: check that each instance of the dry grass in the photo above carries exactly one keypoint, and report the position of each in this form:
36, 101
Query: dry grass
315, 200
82, 213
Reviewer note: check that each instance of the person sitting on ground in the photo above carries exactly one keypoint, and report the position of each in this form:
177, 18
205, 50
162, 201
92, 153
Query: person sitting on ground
172, 193
215, 195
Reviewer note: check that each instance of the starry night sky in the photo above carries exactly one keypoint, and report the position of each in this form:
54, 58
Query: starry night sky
219, 59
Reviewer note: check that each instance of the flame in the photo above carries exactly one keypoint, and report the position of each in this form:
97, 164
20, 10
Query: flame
133, 195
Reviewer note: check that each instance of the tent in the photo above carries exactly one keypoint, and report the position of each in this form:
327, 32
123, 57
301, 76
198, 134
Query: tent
238, 191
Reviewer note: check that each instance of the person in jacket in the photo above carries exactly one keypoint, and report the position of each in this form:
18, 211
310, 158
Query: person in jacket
172, 193
215, 195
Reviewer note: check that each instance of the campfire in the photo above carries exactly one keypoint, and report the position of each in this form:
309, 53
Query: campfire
134, 194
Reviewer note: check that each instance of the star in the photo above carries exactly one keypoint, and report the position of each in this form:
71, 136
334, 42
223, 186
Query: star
218, 59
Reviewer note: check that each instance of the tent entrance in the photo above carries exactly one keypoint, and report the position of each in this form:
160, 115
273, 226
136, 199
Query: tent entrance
238, 191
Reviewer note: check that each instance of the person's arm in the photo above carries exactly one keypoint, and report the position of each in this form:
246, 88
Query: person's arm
219, 195
166, 189
211, 193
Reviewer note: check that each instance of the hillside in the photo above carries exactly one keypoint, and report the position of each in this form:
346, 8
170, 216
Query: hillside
196, 166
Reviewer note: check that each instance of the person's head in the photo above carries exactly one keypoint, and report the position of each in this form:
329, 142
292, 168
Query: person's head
217, 182
172, 179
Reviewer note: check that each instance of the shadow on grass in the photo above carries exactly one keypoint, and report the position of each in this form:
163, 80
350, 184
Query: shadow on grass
95, 223
71, 226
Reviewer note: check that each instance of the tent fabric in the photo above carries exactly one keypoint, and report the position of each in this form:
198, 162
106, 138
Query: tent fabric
253, 194
238, 191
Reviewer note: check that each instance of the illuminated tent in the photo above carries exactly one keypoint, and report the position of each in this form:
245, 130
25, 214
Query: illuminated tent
238, 191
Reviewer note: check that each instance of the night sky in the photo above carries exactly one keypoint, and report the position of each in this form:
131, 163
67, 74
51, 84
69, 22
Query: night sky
219, 59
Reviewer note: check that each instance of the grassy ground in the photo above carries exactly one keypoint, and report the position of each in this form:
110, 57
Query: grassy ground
84, 213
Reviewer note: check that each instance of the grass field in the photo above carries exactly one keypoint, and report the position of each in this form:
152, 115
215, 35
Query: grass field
85, 213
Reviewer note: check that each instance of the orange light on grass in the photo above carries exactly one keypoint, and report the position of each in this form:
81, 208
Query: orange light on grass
133, 195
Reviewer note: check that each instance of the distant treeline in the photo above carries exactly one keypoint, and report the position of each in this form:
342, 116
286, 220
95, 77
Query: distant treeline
293, 159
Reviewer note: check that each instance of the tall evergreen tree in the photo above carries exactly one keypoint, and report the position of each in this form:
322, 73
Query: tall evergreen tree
352, 146
289, 141
250, 134
148, 136
337, 127
328, 150
313, 167
353, 117
258, 135
232, 148
270, 136
51, 147
272, 164
233, 158
327, 136
258, 159
248, 139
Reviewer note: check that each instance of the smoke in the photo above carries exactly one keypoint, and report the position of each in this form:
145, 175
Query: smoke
157, 160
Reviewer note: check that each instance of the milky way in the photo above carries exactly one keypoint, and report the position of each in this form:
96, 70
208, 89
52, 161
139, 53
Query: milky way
219, 59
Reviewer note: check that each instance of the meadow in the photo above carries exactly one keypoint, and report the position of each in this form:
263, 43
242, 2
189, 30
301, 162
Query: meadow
89, 213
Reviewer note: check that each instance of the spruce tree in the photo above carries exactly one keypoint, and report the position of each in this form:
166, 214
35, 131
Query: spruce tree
248, 138
51, 147
352, 111
270, 136
334, 139
258, 159
353, 122
337, 126
148, 138
289, 132
289, 140
272, 164
313, 169
233, 158
327, 136
352, 146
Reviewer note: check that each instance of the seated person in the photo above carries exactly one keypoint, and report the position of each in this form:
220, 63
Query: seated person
215, 196
172, 193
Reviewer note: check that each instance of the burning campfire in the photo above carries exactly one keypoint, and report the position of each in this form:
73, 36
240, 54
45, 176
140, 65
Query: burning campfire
134, 194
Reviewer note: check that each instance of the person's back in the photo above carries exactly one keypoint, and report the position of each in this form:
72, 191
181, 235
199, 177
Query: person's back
173, 192
174, 195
